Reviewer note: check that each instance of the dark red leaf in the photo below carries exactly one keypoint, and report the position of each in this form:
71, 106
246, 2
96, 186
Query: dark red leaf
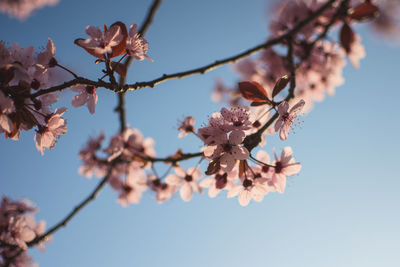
280, 84
256, 104
121, 47
347, 37
364, 11
213, 167
253, 91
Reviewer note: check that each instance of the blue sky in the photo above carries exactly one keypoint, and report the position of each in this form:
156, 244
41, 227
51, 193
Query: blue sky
341, 210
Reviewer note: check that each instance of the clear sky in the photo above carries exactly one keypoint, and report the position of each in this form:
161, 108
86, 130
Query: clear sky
341, 210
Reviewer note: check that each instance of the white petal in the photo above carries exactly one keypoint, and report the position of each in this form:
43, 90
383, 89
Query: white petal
235, 191
186, 192
244, 198
173, 180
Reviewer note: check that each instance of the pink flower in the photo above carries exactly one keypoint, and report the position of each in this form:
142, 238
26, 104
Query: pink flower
220, 181
131, 189
91, 164
228, 151
6, 107
236, 118
285, 166
163, 191
286, 118
87, 95
136, 46
46, 136
131, 145
112, 43
357, 52
46, 58
187, 180
249, 189
186, 127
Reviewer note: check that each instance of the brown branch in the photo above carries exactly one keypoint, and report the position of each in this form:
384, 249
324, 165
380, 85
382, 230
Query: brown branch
201, 70
81, 205
121, 95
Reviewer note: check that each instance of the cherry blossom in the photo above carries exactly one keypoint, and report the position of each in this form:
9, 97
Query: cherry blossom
46, 136
187, 179
100, 44
284, 166
136, 46
228, 151
87, 95
357, 52
218, 182
287, 117
186, 126
247, 190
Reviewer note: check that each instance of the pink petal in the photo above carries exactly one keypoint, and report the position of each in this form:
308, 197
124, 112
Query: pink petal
244, 198
213, 191
91, 103
173, 180
236, 137
278, 124
80, 100
286, 155
6, 123
292, 169
297, 108
181, 172
227, 162
94, 32
240, 152
283, 108
235, 191
283, 134
186, 192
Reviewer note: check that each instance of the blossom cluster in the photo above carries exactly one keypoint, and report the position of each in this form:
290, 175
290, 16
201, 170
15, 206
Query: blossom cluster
319, 62
23, 72
21, 9
129, 159
17, 229
26, 76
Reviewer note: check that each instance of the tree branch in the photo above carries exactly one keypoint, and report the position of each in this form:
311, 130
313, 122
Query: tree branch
201, 70
121, 95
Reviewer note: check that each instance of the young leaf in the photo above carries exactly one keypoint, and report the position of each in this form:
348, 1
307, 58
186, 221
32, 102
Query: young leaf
364, 11
253, 91
347, 37
280, 85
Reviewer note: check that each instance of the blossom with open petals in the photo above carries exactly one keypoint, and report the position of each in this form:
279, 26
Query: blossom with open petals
287, 117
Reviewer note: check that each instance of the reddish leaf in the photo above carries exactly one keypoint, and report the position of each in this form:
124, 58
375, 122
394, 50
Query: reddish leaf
213, 167
347, 37
280, 84
364, 11
121, 47
253, 91
256, 104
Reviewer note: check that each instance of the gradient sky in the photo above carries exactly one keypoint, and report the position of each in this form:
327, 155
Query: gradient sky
341, 210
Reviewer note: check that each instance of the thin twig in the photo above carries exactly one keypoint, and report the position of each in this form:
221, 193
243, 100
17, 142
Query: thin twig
65, 221
201, 70
121, 95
